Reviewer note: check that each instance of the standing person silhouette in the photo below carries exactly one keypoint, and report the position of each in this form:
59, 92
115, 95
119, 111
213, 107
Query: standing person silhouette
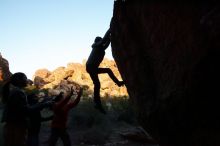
14, 114
92, 67
35, 118
16, 109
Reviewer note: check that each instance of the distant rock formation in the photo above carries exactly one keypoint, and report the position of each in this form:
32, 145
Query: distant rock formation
168, 54
75, 73
4, 69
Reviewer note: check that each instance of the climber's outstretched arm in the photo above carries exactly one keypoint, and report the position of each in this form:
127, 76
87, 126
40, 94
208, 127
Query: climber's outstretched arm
104, 42
106, 39
106, 36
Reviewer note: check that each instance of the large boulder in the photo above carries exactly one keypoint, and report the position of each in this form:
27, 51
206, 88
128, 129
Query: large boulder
39, 77
168, 55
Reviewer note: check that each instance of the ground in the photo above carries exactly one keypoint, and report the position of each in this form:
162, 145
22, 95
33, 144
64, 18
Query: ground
89, 127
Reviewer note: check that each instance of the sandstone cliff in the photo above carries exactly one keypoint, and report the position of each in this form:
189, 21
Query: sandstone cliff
168, 54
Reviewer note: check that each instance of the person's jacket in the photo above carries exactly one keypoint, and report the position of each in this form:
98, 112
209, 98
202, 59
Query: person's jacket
61, 109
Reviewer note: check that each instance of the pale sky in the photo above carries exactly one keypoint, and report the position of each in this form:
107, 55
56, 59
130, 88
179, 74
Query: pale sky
38, 34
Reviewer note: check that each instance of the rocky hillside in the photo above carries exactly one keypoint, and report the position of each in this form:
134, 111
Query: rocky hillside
74, 73
168, 54
4, 69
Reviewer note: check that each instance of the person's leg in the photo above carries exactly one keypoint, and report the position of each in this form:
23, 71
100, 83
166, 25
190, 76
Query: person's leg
96, 82
8, 133
65, 138
53, 137
97, 100
111, 75
33, 139
14, 135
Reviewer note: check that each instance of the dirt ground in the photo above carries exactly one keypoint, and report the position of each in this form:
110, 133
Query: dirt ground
89, 127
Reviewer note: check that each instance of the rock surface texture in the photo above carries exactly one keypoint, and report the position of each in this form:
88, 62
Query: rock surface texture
168, 53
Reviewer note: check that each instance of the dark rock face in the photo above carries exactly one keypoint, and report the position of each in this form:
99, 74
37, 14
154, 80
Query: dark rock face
168, 53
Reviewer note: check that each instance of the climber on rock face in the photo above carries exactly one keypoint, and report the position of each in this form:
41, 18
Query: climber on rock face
92, 67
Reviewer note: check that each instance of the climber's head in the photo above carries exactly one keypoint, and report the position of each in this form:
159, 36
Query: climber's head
97, 39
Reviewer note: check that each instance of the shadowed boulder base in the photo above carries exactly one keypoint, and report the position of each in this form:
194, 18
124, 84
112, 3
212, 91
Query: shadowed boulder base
168, 54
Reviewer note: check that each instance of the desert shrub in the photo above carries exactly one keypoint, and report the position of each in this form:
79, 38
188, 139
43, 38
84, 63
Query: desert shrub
95, 127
